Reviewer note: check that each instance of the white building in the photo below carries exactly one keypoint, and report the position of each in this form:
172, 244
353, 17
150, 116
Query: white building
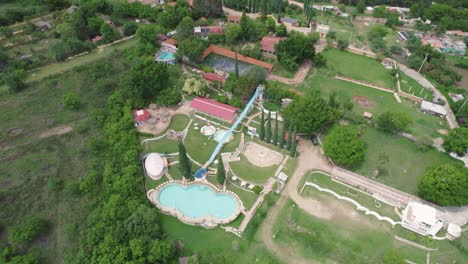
433, 109
155, 166
323, 30
421, 218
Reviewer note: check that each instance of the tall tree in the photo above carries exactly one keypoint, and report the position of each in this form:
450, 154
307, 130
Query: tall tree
292, 151
457, 141
184, 163
221, 173
184, 29
244, 24
237, 66
268, 128
262, 126
207, 8
344, 146
283, 134
288, 144
264, 9
275, 132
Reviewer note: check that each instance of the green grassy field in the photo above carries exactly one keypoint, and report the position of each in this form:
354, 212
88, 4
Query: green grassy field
376, 102
338, 240
413, 87
408, 161
358, 67
249, 172
179, 122
31, 162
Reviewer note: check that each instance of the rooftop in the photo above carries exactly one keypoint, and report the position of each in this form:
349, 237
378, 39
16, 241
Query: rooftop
438, 109
214, 108
268, 43
140, 115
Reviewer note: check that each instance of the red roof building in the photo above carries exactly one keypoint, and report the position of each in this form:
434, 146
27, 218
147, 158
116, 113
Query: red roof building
212, 77
215, 109
96, 39
267, 44
140, 116
234, 19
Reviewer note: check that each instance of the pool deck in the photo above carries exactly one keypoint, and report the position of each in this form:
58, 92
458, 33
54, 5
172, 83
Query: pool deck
208, 221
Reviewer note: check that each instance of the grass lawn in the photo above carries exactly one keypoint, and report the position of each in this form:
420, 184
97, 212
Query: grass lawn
337, 240
377, 102
163, 145
413, 87
249, 172
358, 67
179, 122
282, 71
216, 242
407, 161
248, 198
325, 181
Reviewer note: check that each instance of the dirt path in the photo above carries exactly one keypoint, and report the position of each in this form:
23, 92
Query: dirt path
298, 77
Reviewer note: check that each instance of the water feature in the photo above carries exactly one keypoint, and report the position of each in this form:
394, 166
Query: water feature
198, 201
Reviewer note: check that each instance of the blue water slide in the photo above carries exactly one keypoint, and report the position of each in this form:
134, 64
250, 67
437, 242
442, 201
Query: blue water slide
202, 171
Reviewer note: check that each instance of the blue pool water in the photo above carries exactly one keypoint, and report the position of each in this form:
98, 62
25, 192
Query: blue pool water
166, 55
197, 201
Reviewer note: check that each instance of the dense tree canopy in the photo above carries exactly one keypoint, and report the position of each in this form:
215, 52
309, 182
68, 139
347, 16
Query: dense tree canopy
207, 8
445, 185
394, 122
292, 51
344, 146
457, 141
310, 113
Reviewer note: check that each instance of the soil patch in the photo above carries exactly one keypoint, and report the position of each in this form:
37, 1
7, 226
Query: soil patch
261, 156
56, 131
15, 131
363, 101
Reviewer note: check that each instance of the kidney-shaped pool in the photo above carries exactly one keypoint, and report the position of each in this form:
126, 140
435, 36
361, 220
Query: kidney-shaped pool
198, 201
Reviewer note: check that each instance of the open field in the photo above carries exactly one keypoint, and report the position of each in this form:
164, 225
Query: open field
358, 67
408, 161
41, 176
413, 87
91, 57
374, 101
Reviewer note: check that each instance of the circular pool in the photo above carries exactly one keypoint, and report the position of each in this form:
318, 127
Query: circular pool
220, 134
208, 130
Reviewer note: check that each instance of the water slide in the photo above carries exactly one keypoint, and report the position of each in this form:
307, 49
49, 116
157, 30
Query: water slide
202, 171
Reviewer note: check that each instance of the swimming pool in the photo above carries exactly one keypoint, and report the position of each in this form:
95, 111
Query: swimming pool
199, 201
166, 55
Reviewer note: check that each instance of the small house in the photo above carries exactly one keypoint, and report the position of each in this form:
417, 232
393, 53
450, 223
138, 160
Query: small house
268, 44
291, 21
205, 31
215, 109
433, 109
213, 77
234, 19
140, 116
96, 39
170, 45
367, 115
421, 218
323, 30
42, 25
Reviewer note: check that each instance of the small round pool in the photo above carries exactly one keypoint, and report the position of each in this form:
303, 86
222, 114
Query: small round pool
208, 130
220, 134
198, 201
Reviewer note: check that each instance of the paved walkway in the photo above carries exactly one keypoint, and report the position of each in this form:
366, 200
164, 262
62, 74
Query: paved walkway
298, 77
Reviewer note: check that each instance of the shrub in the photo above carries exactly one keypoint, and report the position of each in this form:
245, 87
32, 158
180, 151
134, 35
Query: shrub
257, 189
28, 231
343, 44
344, 146
392, 122
71, 101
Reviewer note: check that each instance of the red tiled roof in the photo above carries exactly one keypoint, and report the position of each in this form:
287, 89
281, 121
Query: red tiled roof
170, 41
234, 18
141, 115
231, 54
268, 43
214, 29
214, 108
162, 37
96, 39
214, 77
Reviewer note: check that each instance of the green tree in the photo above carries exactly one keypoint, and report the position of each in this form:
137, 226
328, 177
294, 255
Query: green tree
343, 44
268, 128
94, 25
109, 34
292, 151
282, 30
244, 25
192, 48
185, 29
457, 141
393, 257
445, 185
28, 230
6, 32
221, 173
275, 132
262, 126
14, 80
185, 166
147, 34
236, 66
361, 6
310, 113
130, 28
393, 122
344, 146
282, 140
207, 8
290, 139
233, 33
